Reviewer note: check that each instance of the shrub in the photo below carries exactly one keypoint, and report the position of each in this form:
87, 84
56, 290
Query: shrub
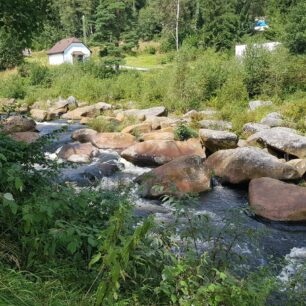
184, 132
10, 51
296, 29
13, 87
150, 50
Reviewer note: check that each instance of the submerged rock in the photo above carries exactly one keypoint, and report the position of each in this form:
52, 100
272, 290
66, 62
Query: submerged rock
243, 164
282, 139
218, 140
77, 152
276, 200
159, 152
83, 135
186, 174
106, 165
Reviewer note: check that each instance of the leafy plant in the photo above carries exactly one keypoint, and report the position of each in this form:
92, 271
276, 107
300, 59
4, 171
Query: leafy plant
184, 132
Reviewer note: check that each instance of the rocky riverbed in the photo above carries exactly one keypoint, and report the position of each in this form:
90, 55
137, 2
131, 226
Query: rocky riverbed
253, 183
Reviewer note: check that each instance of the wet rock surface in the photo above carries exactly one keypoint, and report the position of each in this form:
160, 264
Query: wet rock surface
159, 152
187, 174
243, 164
276, 200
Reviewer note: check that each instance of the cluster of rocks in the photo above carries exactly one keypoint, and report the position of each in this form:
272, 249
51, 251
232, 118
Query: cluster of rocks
269, 155
20, 128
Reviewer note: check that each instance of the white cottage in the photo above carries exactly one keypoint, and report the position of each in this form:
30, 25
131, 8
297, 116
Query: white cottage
240, 50
68, 50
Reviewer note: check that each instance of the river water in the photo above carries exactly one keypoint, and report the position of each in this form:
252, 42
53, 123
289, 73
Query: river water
260, 241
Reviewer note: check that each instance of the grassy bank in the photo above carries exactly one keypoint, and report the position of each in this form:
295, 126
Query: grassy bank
194, 80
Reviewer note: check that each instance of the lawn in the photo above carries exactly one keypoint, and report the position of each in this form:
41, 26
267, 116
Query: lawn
138, 60
146, 60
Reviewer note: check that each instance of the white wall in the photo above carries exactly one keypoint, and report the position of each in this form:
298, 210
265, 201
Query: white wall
56, 59
74, 48
241, 49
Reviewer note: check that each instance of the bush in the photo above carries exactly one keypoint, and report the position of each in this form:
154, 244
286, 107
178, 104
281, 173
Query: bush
13, 87
10, 51
150, 50
184, 132
37, 74
296, 29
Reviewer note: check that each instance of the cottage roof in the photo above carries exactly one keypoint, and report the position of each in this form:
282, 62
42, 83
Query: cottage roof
62, 45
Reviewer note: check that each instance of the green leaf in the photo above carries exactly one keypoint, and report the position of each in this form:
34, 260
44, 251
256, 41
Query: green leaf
18, 183
72, 247
8, 197
95, 259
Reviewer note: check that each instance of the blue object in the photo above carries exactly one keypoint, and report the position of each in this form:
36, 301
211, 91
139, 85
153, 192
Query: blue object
261, 23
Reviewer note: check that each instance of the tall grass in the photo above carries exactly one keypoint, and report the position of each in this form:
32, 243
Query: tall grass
194, 80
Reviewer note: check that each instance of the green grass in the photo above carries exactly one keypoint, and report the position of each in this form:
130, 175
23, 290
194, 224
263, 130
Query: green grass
146, 60
139, 60
40, 57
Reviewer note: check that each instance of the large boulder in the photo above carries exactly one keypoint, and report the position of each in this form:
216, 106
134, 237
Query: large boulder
39, 114
142, 114
252, 128
61, 107
258, 103
115, 141
215, 125
282, 139
18, 124
273, 120
77, 152
299, 165
243, 164
83, 135
186, 174
162, 122
276, 200
138, 128
218, 140
105, 165
159, 152
27, 137
87, 111
156, 135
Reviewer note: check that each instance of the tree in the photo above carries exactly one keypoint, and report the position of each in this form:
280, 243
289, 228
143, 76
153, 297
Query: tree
19, 20
221, 24
296, 29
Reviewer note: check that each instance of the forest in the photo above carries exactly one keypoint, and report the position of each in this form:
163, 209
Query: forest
83, 222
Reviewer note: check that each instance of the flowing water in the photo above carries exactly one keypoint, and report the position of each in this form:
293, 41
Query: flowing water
226, 207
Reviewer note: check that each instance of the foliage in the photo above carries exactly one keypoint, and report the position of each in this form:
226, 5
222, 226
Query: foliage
19, 21
184, 132
296, 29
10, 51
13, 87
37, 74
